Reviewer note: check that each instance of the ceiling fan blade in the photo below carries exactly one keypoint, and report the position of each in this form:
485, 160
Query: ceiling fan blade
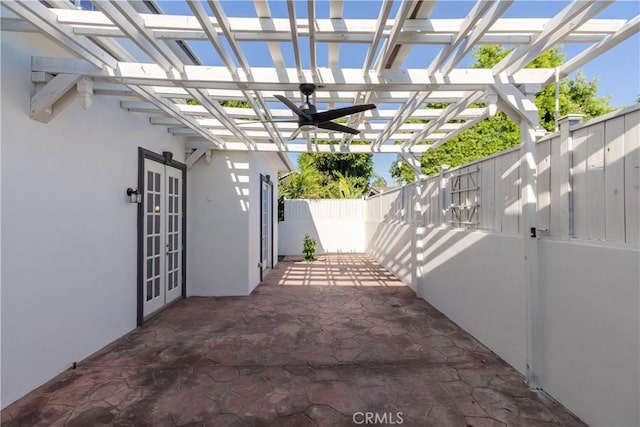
293, 107
295, 134
338, 128
325, 116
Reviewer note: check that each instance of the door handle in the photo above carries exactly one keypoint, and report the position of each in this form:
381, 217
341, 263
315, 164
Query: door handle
168, 248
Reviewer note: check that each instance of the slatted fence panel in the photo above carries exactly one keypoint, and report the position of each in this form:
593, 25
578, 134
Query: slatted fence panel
632, 176
604, 184
543, 184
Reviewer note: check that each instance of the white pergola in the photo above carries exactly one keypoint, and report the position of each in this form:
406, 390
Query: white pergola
135, 51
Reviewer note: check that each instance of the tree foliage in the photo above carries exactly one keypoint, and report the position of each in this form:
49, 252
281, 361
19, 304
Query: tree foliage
378, 181
329, 176
576, 95
402, 173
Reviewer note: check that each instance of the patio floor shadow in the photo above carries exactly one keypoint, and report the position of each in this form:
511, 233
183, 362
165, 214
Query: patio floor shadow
346, 338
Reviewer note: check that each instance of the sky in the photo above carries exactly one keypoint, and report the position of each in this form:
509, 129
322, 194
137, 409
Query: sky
618, 70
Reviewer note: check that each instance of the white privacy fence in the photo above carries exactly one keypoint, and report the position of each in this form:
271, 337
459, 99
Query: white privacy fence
590, 179
481, 195
336, 225
565, 303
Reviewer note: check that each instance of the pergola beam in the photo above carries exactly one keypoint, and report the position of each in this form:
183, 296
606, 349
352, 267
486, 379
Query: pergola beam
302, 148
466, 45
249, 114
45, 21
261, 135
469, 22
402, 114
125, 17
630, 28
333, 30
293, 28
387, 51
349, 79
383, 16
218, 11
573, 16
356, 119
521, 105
448, 114
421, 11
253, 127
335, 13
263, 12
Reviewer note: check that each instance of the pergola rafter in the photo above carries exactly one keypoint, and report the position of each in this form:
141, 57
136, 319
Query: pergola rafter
164, 70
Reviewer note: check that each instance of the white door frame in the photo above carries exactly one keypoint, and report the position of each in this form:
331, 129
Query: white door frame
170, 225
266, 236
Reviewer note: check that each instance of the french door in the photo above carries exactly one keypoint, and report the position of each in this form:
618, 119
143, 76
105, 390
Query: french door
162, 252
266, 225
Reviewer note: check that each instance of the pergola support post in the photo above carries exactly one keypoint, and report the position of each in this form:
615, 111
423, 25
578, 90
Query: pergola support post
528, 230
418, 243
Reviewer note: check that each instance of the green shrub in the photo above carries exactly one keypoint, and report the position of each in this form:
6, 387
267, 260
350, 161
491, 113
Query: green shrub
309, 248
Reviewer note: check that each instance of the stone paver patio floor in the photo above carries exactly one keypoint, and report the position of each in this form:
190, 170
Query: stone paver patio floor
313, 345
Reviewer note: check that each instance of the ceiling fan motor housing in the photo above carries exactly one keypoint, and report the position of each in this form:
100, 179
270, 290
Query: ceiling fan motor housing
307, 89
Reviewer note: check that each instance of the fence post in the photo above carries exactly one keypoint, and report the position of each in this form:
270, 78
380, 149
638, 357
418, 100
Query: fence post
443, 195
418, 256
564, 175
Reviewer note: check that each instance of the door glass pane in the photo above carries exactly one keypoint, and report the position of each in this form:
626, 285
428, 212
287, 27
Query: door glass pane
150, 181
149, 294
156, 284
157, 182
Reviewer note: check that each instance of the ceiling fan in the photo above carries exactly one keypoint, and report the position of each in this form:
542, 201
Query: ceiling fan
309, 119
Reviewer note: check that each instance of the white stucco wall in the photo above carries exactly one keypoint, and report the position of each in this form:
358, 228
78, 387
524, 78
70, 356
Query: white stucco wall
68, 230
389, 243
265, 164
483, 267
217, 226
590, 325
223, 237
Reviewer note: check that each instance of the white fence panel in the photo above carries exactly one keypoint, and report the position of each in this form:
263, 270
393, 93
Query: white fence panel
632, 176
337, 225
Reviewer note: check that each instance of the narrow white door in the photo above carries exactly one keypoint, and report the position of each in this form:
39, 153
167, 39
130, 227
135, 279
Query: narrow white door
174, 234
266, 234
162, 266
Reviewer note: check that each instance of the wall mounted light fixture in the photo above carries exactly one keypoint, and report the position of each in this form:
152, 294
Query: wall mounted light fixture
134, 196
168, 156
